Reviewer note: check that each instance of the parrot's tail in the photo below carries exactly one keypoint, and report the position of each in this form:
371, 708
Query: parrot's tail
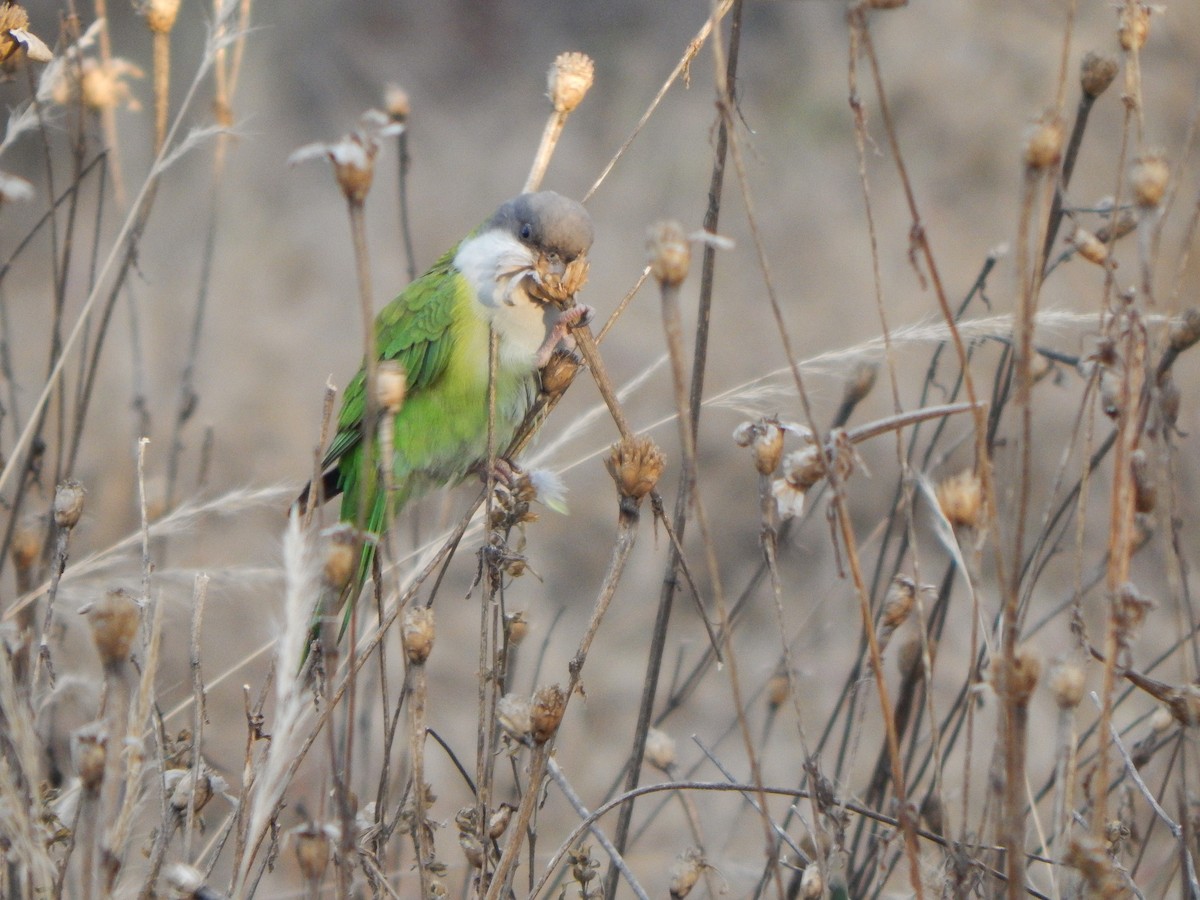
326, 490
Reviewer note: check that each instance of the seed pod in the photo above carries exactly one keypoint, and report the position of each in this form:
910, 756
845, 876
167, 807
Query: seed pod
546, 712
160, 15
1133, 25
114, 620
686, 872
860, 383
778, 690
513, 714
765, 440
1096, 73
472, 849
660, 749
569, 80
27, 544
341, 556
313, 846
89, 754
1067, 681
635, 464
1149, 177
1089, 246
516, 627
417, 633
812, 885
1024, 673
898, 603
498, 821
396, 103
1145, 491
68, 504
1044, 142
960, 498
669, 253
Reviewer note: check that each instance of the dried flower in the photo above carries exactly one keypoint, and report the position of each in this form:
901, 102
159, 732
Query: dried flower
498, 821
417, 633
669, 253
686, 872
353, 157
1090, 247
341, 556
68, 504
17, 42
1096, 73
1023, 674
812, 885
314, 843
513, 714
546, 712
1133, 24
516, 627
1044, 142
98, 85
660, 749
860, 383
635, 464
569, 79
27, 543
765, 440
1149, 177
160, 15
779, 688
960, 498
802, 469
114, 620
396, 103
898, 603
89, 754
472, 849
1067, 680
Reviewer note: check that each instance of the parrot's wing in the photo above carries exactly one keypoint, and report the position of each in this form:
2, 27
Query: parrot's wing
413, 330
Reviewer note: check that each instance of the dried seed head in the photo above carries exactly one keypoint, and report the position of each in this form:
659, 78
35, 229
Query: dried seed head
1145, 491
812, 885
933, 812
1067, 680
516, 627
660, 749
558, 373
1096, 73
1184, 330
27, 543
101, 86
583, 866
68, 504
17, 42
569, 79
313, 846
765, 440
417, 633
498, 821
188, 881
635, 464
1161, 719
353, 157
341, 556
686, 872
960, 498
1044, 142
391, 385
1089, 246
1024, 673
1133, 25
1110, 392
89, 754
160, 15
860, 383
1149, 177
668, 252
546, 712
193, 790
513, 714
910, 655
396, 103
779, 688
114, 620
1168, 400
1131, 609
1096, 869
472, 849
898, 603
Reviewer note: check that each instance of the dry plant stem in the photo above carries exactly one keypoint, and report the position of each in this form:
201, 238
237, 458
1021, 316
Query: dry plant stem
199, 710
404, 160
419, 681
539, 757
162, 87
601, 838
681, 68
108, 115
678, 522
550, 135
62, 537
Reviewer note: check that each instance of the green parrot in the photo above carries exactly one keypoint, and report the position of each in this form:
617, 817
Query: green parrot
511, 274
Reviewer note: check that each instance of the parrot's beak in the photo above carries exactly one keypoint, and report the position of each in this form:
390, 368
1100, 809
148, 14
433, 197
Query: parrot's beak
555, 267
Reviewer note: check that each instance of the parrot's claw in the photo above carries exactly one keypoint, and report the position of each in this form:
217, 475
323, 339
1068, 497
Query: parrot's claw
573, 317
502, 471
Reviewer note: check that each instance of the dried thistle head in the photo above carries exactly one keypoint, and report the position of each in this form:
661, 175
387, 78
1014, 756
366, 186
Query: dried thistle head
1023, 674
513, 714
635, 465
898, 602
160, 15
97, 85
1096, 73
764, 437
417, 633
342, 550
516, 627
669, 253
89, 755
353, 157
1130, 609
114, 620
68, 504
569, 80
686, 871
546, 712
960, 498
1133, 24
1149, 177
1067, 681
17, 42
314, 845
1044, 142
396, 103
1090, 247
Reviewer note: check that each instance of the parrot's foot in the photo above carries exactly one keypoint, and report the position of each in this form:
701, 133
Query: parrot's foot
561, 332
502, 471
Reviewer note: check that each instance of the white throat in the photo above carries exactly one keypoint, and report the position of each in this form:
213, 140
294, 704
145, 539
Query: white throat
496, 266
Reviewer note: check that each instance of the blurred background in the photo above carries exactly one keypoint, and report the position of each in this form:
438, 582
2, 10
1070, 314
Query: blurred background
964, 81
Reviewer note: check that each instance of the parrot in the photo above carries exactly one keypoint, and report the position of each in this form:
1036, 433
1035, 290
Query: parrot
512, 274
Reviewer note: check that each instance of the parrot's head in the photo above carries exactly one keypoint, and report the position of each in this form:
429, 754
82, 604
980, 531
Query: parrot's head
549, 236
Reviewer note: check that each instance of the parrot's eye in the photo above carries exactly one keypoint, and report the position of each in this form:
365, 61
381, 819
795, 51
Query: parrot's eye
526, 231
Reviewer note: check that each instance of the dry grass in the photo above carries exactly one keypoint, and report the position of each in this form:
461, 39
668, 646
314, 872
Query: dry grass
922, 627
